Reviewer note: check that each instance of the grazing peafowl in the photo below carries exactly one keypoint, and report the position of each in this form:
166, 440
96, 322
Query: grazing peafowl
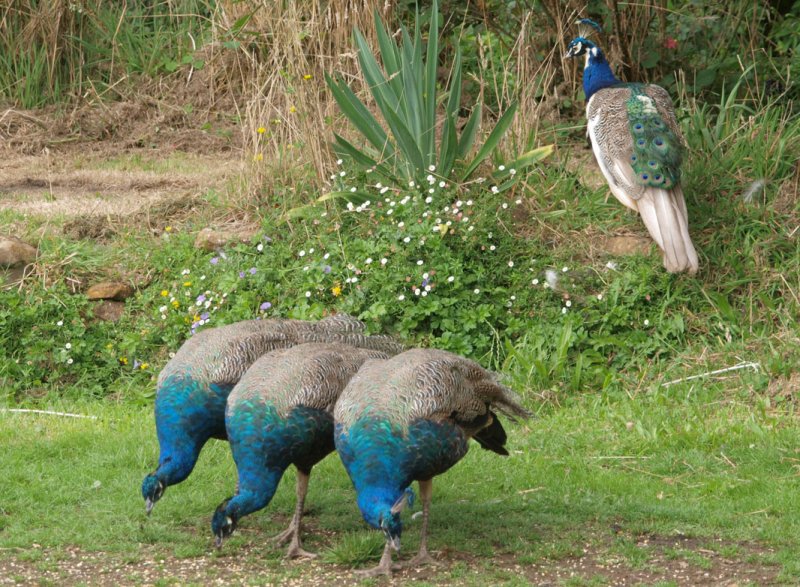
193, 387
638, 145
281, 413
410, 418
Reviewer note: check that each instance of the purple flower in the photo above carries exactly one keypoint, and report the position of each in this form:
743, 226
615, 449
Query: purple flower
252, 270
241, 273
326, 269
200, 299
214, 260
136, 363
267, 239
204, 316
265, 306
424, 282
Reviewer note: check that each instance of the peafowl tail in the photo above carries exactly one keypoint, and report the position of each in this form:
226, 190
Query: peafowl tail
664, 213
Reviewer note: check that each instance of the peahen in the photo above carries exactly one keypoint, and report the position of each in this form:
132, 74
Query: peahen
638, 145
281, 413
410, 418
194, 385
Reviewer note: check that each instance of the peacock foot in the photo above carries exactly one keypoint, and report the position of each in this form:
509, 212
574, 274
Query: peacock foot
297, 551
285, 536
380, 570
421, 559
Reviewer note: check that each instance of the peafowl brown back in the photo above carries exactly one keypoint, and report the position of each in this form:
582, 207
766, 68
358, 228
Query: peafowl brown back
193, 387
281, 413
410, 418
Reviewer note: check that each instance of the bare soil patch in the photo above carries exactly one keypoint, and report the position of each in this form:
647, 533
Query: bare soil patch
682, 560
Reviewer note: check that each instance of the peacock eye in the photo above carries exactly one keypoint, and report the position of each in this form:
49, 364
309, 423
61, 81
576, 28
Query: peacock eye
644, 176
659, 142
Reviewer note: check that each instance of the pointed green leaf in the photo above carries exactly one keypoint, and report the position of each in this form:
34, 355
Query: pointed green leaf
469, 132
492, 140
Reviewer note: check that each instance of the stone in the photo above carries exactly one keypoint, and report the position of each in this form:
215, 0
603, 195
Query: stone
109, 290
14, 252
108, 310
212, 240
627, 245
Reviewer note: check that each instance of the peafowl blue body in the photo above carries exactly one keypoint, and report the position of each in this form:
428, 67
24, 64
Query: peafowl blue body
281, 413
410, 418
193, 387
638, 146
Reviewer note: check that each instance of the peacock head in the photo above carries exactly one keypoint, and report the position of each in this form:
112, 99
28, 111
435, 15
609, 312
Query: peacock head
580, 46
152, 490
382, 511
224, 522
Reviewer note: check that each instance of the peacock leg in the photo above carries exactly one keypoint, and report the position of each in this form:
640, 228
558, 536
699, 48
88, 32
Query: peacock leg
292, 533
384, 567
422, 557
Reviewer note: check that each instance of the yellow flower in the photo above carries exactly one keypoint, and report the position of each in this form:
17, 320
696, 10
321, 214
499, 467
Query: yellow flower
164, 293
307, 76
261, 130
195, 318
336, 290
187, 284
110, 346
168, 228
123, 360
144, 366
292, 109
176, 304
258, 157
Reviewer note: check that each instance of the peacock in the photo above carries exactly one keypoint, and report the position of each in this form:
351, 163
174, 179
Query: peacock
639, 148
193, 387
410, 418
281, 413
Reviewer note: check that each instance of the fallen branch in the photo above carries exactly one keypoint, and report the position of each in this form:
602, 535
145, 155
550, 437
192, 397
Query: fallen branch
47, 412
754, 366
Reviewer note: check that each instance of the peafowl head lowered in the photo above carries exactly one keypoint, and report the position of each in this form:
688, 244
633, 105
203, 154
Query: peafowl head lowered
224, 522
381, 509
152, 490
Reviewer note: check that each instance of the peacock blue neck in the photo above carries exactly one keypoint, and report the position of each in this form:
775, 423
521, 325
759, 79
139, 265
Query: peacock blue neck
256, 495
597, 74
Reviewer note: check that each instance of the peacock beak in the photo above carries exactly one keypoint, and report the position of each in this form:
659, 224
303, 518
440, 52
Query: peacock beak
148, 506
218, 541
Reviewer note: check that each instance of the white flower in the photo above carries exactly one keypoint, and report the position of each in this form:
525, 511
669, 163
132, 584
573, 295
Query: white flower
568, 303
60, 323
511, 263
389, 212
611, 265
495, 189
535, 282
432, 168
311, 250
68, 346
565, 269
419, 262
407, 239
512, 171
353, 190
384, 261
260, 247
501, 168
368, 260
563, 310
469, 202
428, 200
301, 254
379, 185
552, 278
518, 201
69, 361
477, 291
431, 179
442, 184
451, 279
427, 288
430, 191
411, 184
424, 276
353, 279
505, 206
185, 272
339, 162
401, 224
308, 294
384, 189
202, 278
333, 176
647, 322
162, 309
359, 208
326, 255
470, 229
513, 298
342, 174
424, 294
492, 248
599, 296
401, 297
417, 292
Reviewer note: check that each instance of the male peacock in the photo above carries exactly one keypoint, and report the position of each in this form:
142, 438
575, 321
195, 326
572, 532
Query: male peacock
410, 418
281, 413
638, 145
194, 386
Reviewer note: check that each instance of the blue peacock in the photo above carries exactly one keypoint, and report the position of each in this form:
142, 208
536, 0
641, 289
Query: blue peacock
410, 418
193, 387
639, 148
281, 413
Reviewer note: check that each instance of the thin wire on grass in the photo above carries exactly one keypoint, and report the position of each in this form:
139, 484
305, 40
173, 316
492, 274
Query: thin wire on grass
756, 367
47, 413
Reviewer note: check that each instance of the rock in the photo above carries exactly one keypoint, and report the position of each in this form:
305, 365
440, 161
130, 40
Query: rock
627, 245
212, 240
109, 290
108, 310
14, 252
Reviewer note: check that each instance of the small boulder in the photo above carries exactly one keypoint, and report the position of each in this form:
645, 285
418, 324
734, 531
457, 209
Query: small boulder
109, 290
212, 240
14, 252
109, 311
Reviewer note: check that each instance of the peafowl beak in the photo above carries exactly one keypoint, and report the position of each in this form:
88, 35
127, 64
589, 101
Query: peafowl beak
218, 541
148, 506
394, 542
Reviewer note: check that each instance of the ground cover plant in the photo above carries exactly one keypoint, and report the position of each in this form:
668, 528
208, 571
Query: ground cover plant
665, 444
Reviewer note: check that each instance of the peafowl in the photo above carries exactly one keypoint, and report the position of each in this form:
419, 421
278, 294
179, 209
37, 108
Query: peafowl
194, 385
410, 418
638, 145
281, 413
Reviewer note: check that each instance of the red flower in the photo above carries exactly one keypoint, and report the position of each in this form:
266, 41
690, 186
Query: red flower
670, 43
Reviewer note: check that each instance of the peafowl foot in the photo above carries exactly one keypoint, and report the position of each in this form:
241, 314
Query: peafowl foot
297, 551
421, 559
383, 568
285, 536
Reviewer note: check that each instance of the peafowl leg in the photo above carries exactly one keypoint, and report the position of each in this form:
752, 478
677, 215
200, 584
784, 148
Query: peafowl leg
292, 533
422, 557
383, 568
